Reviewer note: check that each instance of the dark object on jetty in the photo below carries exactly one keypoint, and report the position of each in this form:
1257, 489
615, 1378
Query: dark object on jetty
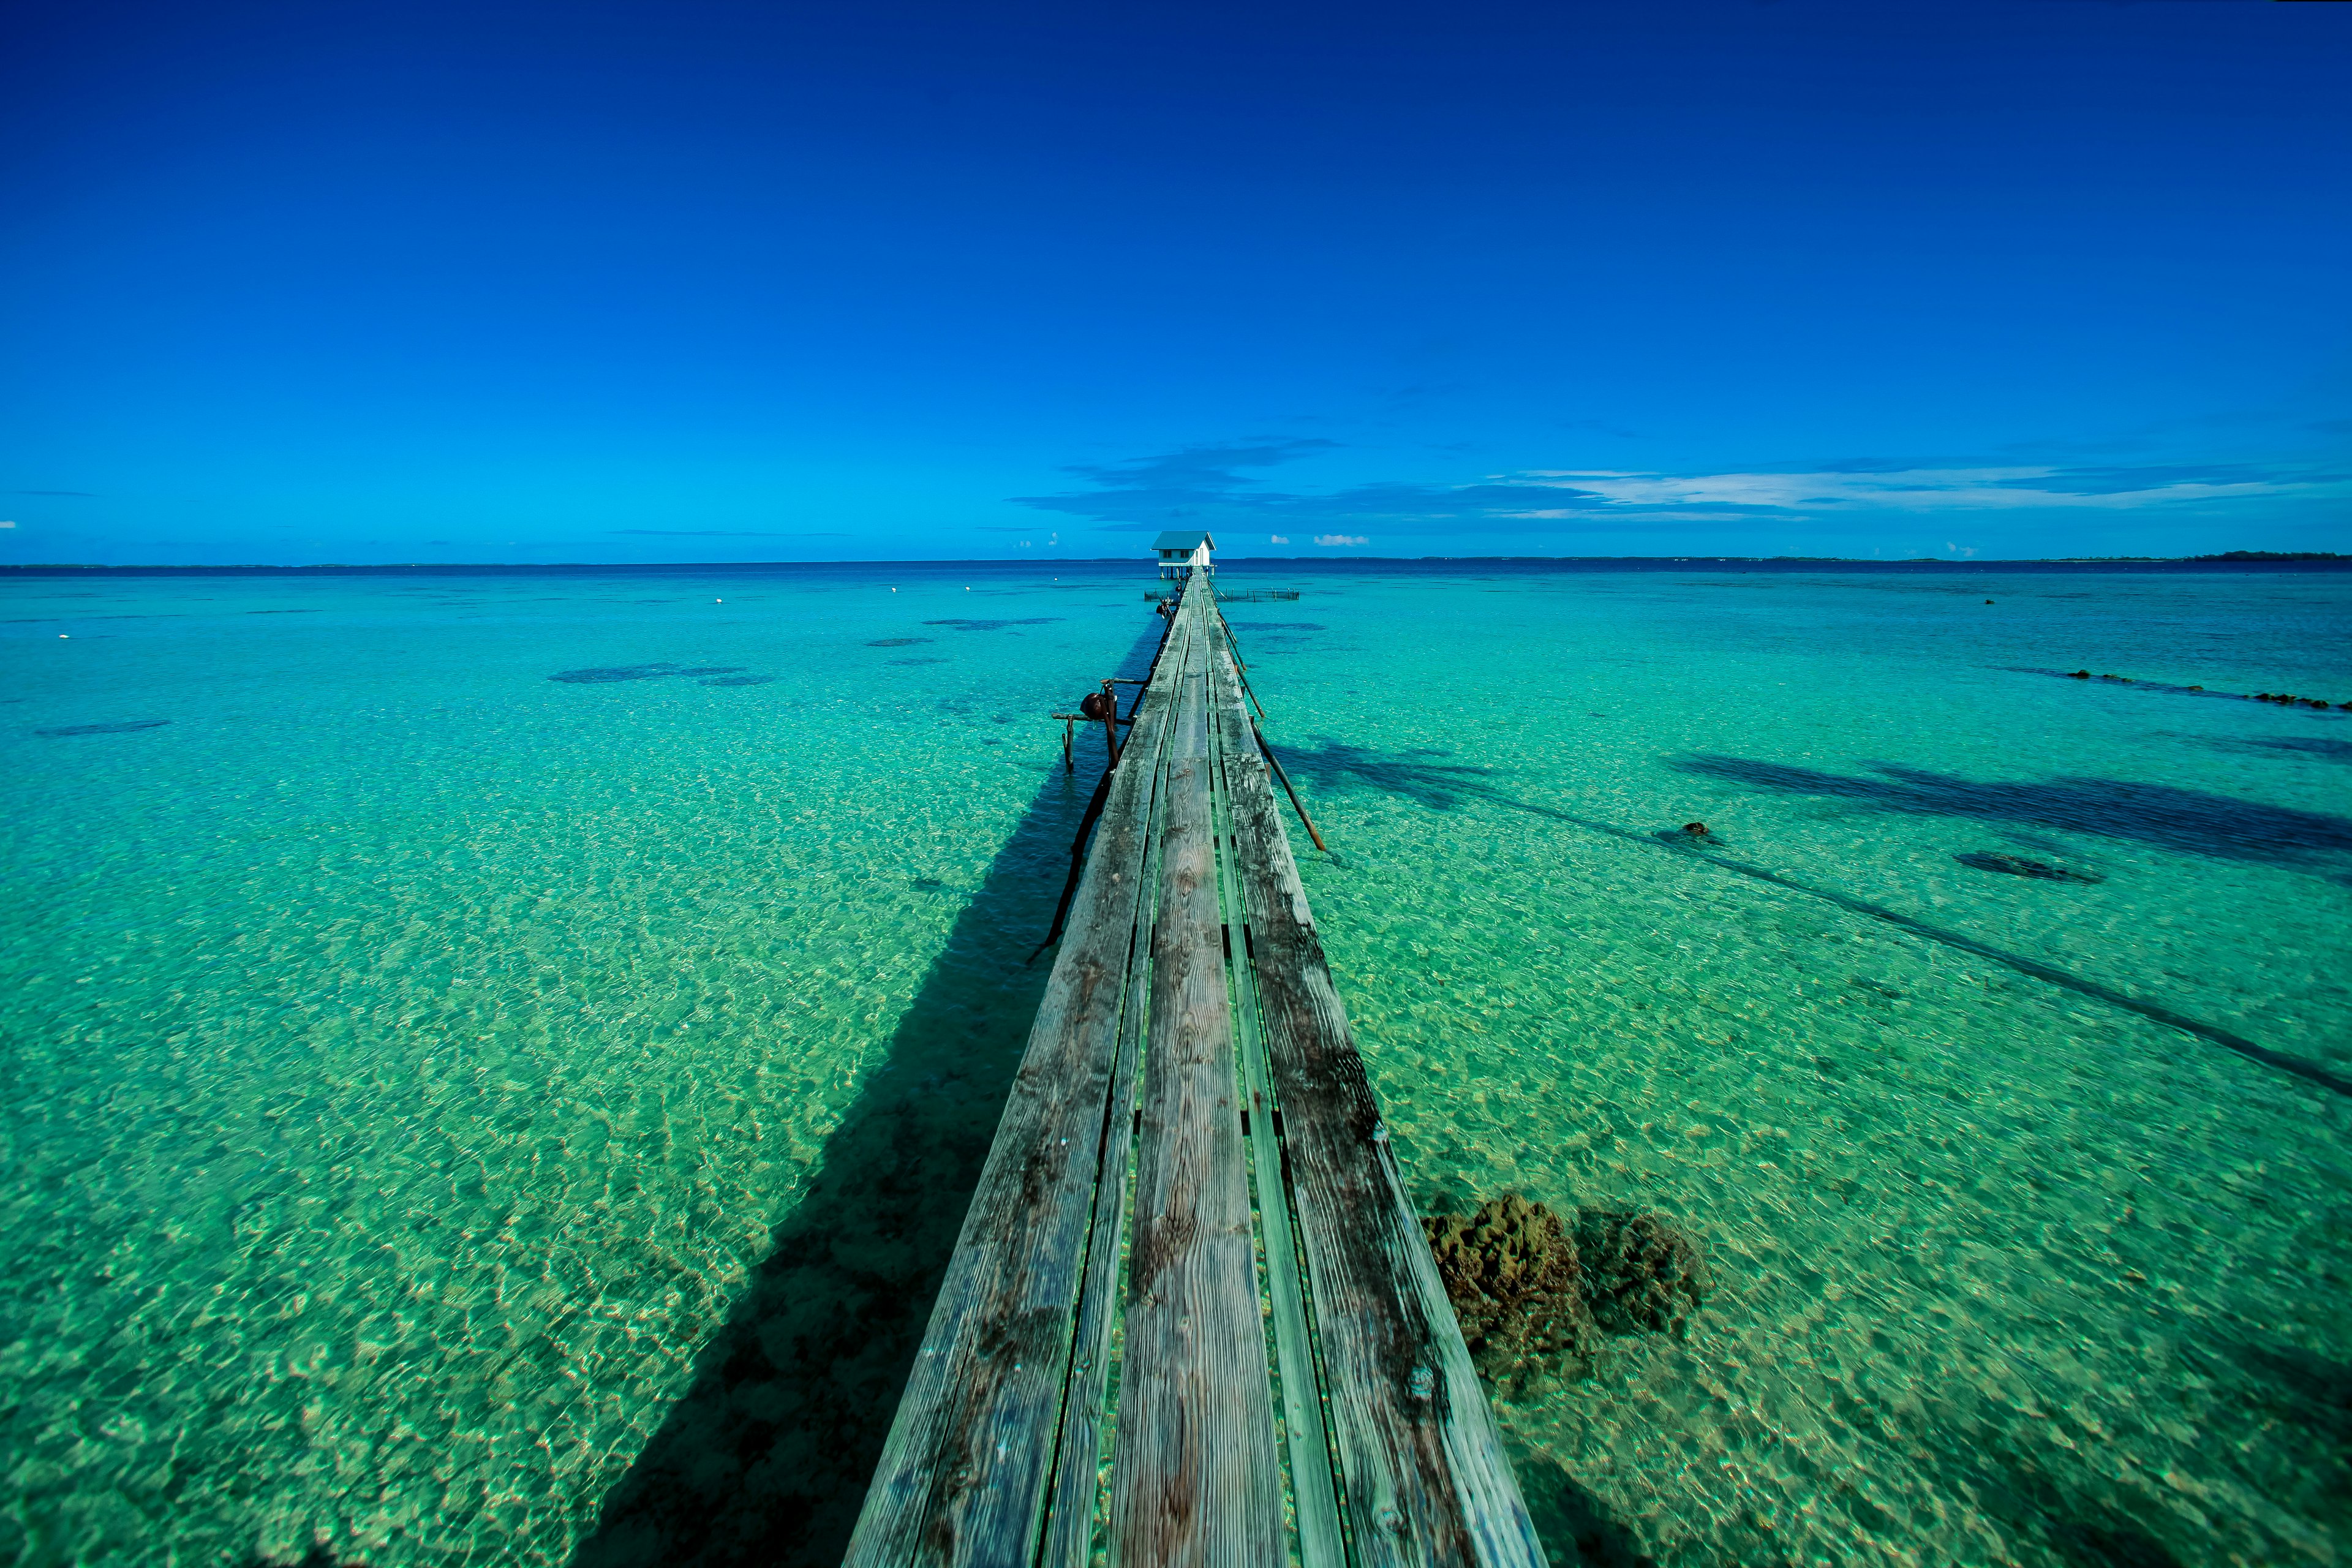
1517, 1285
1104, 706
2018, 866
1641, 1275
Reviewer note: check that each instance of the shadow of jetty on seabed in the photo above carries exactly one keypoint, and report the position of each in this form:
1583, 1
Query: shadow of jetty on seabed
2183, 819
766, 1457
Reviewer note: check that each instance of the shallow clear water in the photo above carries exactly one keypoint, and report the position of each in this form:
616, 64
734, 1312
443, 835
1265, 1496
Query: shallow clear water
458, 1115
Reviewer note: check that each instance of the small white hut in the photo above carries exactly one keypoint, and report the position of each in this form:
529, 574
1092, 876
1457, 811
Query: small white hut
1182, 552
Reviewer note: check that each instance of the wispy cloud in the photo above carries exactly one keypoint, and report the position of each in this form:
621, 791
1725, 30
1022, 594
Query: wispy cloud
721, 533
1908, 487
1208, 485
53, 492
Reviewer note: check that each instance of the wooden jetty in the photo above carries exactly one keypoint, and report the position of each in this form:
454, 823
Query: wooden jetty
1192, 1318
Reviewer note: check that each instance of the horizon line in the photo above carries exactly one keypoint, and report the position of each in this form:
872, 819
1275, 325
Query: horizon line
2241, 557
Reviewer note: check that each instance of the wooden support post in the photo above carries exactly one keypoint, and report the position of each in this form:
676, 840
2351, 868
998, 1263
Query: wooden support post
1288, 788
1109, 706
1069, 744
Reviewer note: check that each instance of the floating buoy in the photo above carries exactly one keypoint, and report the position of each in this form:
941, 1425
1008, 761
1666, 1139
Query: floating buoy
61, 636
1988, 601
717, 601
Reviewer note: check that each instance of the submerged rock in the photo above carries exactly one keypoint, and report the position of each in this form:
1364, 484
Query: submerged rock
1641, 1275
1512, 1273
1534, 1292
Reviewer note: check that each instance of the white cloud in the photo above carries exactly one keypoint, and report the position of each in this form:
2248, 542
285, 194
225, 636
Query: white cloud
2006, 488
1341, 539
1270, 539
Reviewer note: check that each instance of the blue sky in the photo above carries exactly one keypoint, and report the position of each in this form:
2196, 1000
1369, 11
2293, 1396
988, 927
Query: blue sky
698, 281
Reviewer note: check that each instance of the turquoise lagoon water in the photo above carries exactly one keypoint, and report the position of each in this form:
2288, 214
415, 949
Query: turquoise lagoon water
458, 1115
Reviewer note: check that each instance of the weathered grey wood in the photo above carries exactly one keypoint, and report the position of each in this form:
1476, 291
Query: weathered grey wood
1315, 1502
994, 1459
1194, 1482
963, 1474
1423, 1475
1077, 1484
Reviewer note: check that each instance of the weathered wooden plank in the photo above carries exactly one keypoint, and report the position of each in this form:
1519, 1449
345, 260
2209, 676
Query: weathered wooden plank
1194, 1482
1078, 1482
963, 1474
1315, 1503
1423, 1476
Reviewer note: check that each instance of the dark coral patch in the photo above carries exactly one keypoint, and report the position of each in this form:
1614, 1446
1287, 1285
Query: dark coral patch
741, 680
1641, 1274
607, 674
2018, 866
962, 624
1528, 1288
615, 672
897, 642
1512, 1272
123, 728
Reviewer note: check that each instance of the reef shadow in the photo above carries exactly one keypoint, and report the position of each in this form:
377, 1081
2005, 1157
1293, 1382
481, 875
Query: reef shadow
123, 728
766, 1457
2182, 820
